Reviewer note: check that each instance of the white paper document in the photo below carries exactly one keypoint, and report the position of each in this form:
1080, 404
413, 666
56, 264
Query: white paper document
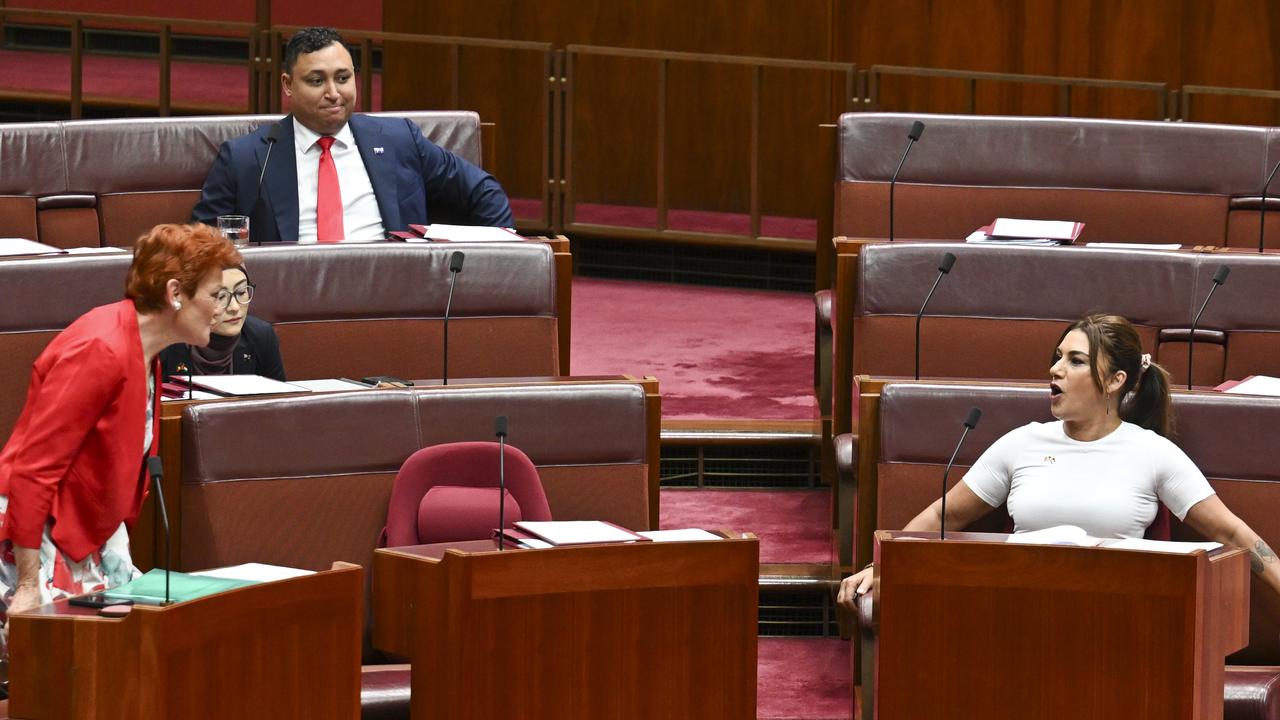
1050, 229
257, 572
331, 385
1058, 535
470, 233
1164, 546
576, 532
10, 247
244, 385
684, 535
1135, 246
1257, 385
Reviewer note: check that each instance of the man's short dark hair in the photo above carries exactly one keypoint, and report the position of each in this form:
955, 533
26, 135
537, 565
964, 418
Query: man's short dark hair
308, 40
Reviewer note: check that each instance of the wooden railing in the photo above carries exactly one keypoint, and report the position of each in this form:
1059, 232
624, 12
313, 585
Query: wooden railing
162, 28
576, 55
1064, 85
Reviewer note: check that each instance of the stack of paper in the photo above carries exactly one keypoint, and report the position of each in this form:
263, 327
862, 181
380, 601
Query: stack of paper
1009, 231
14, 247
462, 233
1252, 385
1058, 535
577, 532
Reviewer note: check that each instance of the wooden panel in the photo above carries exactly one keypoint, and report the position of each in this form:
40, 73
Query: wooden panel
615, 143
990, 630
613, 630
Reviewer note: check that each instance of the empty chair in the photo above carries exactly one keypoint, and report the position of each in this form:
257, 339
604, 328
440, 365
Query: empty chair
447, 493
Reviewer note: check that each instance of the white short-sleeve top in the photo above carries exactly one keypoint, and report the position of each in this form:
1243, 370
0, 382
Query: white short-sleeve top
1111, 487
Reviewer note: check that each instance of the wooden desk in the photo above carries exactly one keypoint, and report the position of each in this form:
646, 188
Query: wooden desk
973, 627
274, 650
147, 547
643, 630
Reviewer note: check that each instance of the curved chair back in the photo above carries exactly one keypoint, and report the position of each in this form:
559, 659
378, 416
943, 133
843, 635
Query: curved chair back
449, 492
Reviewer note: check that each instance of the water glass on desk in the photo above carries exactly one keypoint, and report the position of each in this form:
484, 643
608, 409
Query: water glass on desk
235, 228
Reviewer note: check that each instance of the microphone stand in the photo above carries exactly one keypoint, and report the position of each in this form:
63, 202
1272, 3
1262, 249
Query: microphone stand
1219, 277
455, 267
948, 260
912, 136
155, 466
501, 431
1262, 210
970, 422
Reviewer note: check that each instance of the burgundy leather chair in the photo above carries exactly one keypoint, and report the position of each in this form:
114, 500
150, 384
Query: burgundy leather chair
450, 492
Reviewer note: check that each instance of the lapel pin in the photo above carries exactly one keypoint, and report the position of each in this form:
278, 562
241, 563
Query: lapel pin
377, 151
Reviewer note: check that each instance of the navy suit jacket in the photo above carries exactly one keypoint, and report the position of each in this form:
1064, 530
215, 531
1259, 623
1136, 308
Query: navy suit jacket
414, 181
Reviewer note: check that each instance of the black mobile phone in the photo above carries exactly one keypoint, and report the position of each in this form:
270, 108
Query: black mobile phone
96, 601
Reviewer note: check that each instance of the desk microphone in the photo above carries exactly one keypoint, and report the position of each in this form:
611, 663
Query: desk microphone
970, 422
155, 466
455, 267
917, 129
273, 135
944, 267
1219, 277
500, 429
1262, 211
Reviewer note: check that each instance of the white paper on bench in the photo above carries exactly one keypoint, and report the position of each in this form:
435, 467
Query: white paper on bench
23, 246
1051, 229
244, 385
1135, 246
1257, 385
575, 532
1164, 546
678, 535
1057, 535
330, 385
257, 572
470, 233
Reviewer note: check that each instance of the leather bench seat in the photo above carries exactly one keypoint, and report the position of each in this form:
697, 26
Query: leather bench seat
384, 692
104, 182
339, 310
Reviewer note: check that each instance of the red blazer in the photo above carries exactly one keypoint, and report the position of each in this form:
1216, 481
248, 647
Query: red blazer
75, 455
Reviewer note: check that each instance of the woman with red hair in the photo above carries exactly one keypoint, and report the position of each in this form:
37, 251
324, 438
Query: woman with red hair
72, 475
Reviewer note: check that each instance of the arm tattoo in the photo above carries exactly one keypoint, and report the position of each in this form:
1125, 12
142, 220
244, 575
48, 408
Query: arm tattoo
1260, 556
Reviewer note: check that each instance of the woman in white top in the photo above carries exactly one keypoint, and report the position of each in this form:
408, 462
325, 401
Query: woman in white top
1105, 465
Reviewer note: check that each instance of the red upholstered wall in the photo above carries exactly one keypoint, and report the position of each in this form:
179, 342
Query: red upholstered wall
335, 13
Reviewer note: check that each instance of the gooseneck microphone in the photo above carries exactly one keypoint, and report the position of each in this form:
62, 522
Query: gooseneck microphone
970, 422
155, 466
273, 136
1262, 211
917, 129
944, 267
500, 429
1219, 277
455, 267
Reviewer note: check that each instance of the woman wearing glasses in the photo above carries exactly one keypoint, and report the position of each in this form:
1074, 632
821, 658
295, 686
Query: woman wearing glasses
72, 472
239, 345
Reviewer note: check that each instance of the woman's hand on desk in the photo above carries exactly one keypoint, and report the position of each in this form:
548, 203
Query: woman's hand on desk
856, 584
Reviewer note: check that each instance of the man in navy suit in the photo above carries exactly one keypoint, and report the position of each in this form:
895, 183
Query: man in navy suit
338, 176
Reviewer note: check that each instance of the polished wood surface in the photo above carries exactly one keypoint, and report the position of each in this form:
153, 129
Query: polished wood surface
631, 630
974, 627
147, 540
275, 650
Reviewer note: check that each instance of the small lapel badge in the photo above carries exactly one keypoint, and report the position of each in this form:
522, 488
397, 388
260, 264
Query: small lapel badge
377, 151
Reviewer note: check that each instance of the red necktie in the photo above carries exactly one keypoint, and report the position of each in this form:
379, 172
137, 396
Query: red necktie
329, 198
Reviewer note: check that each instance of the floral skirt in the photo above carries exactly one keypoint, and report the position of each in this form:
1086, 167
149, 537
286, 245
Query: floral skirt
60, 576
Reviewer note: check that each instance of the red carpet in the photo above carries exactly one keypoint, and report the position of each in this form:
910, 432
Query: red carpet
803, 679
718, 353
793, 525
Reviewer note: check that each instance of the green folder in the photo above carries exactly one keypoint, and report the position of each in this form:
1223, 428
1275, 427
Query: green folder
149, 589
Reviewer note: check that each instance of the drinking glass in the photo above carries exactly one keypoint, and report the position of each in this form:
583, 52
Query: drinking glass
235, 228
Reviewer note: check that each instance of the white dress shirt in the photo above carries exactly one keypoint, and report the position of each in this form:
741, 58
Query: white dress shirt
361, 218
